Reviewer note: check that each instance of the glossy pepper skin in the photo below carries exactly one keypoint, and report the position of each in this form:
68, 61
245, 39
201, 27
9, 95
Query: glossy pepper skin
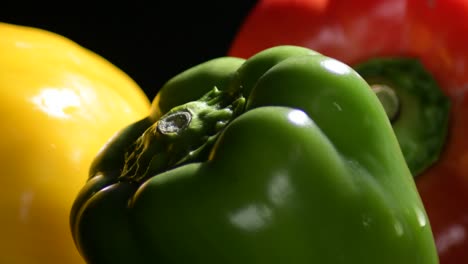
290, 159
59, 104
434, 33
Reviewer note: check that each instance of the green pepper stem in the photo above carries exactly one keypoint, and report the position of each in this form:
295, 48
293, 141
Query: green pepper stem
182, 135
174, 123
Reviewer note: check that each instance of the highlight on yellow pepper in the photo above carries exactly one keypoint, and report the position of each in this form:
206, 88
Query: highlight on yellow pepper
60, 102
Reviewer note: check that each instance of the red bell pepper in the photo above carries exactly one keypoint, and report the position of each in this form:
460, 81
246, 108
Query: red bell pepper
434, 32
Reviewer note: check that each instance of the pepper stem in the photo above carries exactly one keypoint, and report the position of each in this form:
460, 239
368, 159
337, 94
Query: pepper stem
389, 100
174, 123
184, 134
417, 108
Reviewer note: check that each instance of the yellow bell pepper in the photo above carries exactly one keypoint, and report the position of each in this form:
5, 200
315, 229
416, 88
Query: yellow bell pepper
60, 103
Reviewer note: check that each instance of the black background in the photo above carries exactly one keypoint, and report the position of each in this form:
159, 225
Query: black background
151, 42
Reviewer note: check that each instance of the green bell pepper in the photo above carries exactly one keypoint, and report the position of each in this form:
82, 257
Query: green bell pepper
287, 157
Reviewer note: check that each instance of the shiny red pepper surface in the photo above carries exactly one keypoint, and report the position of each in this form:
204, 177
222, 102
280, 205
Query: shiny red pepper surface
435, 32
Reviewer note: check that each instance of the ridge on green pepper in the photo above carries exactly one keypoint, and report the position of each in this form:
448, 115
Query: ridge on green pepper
286, 157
